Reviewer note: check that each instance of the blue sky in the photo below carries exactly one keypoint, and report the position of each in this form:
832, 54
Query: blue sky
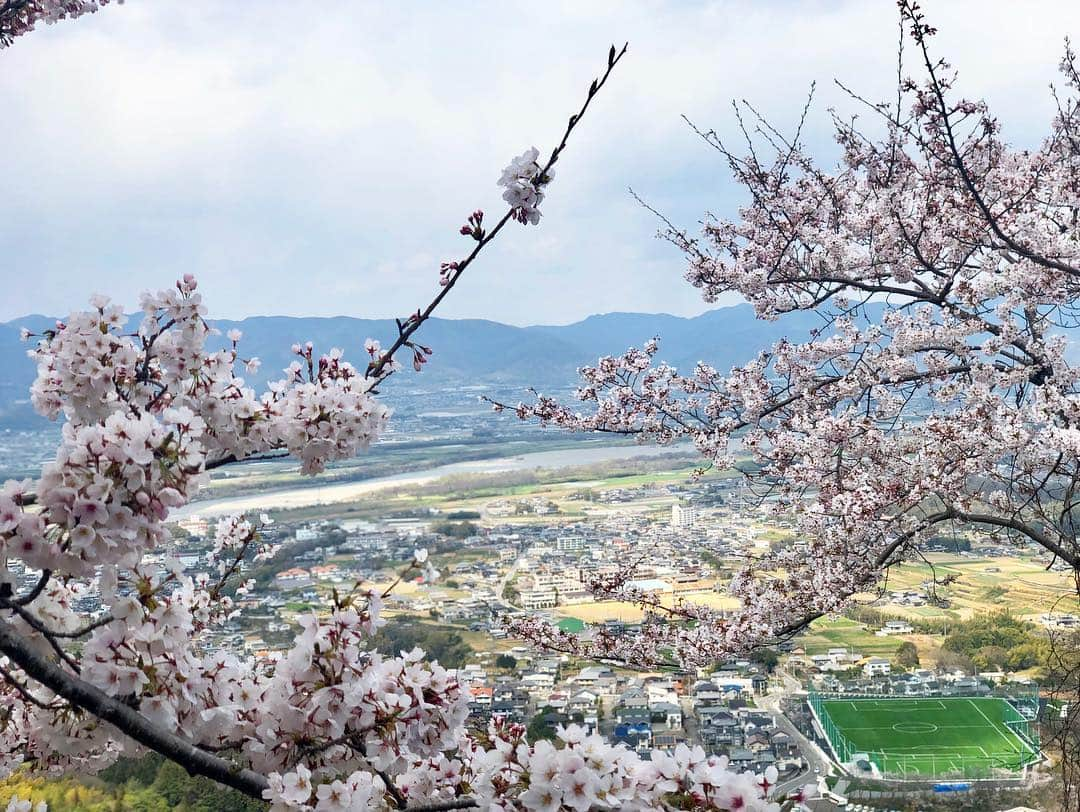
312, 158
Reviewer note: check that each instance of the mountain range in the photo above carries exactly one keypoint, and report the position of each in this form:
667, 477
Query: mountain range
466, 351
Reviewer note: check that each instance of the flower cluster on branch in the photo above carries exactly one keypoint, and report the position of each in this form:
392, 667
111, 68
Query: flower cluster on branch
937, 390
18, 17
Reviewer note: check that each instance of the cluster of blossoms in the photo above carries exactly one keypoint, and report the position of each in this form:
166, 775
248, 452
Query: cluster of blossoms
577, 773
586, 772
326, 414
336, 726
936, 389
148, 413
19, 17
524, 181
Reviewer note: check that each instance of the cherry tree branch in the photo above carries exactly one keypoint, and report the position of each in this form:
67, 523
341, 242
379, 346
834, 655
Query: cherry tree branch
920, 33
127, 720
377, 369
18, 17
381, 367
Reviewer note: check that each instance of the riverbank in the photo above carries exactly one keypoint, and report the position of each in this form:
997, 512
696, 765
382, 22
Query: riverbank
306, 495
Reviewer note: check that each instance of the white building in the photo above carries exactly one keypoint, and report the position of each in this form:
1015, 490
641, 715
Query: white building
566, 544
683, 516
532, 599
877, 667
895, 627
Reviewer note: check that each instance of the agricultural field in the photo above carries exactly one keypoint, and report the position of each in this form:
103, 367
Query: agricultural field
828, 633
930, 737
599, 611
982, 585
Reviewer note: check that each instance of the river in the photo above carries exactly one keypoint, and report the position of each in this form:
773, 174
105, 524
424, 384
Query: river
338, 492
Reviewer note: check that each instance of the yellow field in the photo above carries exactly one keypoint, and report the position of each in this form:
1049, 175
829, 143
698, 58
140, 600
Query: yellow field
982, 585
600, 611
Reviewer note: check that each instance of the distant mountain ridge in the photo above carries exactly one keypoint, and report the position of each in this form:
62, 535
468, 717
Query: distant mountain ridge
467, 351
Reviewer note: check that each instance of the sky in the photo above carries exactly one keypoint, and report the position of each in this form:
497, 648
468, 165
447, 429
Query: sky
314, 158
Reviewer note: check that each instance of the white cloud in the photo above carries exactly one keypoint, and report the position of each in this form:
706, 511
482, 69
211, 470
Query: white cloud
317, 158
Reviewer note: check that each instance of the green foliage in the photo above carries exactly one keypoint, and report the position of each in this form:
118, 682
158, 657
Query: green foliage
457, 530
142, 771
463, 514
953, 544
542, 726
146, 784
1028, 655
766, 657
999, 629
440, 643
998, 641
546, 723
505, 661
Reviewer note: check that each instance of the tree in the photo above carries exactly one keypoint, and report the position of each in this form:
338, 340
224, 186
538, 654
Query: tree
766, 657
906, 656
542, 726
457, 530
990, 657
1027, 655
506, 662
934, 393
955, 661
438, 643
992, 634
331, 724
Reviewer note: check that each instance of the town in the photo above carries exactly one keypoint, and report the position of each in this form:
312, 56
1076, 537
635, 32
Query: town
506, 552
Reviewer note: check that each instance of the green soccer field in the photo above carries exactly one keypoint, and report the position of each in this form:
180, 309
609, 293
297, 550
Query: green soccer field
929, 738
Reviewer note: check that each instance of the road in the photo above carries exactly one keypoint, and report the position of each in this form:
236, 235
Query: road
501, 588
813, 755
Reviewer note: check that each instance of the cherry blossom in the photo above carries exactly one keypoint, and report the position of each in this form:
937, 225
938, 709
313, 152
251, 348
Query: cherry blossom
579, 772
937, 390
524, 180
19, 17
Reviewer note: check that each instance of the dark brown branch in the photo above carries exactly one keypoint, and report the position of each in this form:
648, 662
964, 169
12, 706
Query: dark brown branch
33, 594
1069, 557
24, 692
881, 560
968, 181
377, 370
461, 803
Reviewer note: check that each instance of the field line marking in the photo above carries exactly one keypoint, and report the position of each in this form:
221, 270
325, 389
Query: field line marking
1012, 745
